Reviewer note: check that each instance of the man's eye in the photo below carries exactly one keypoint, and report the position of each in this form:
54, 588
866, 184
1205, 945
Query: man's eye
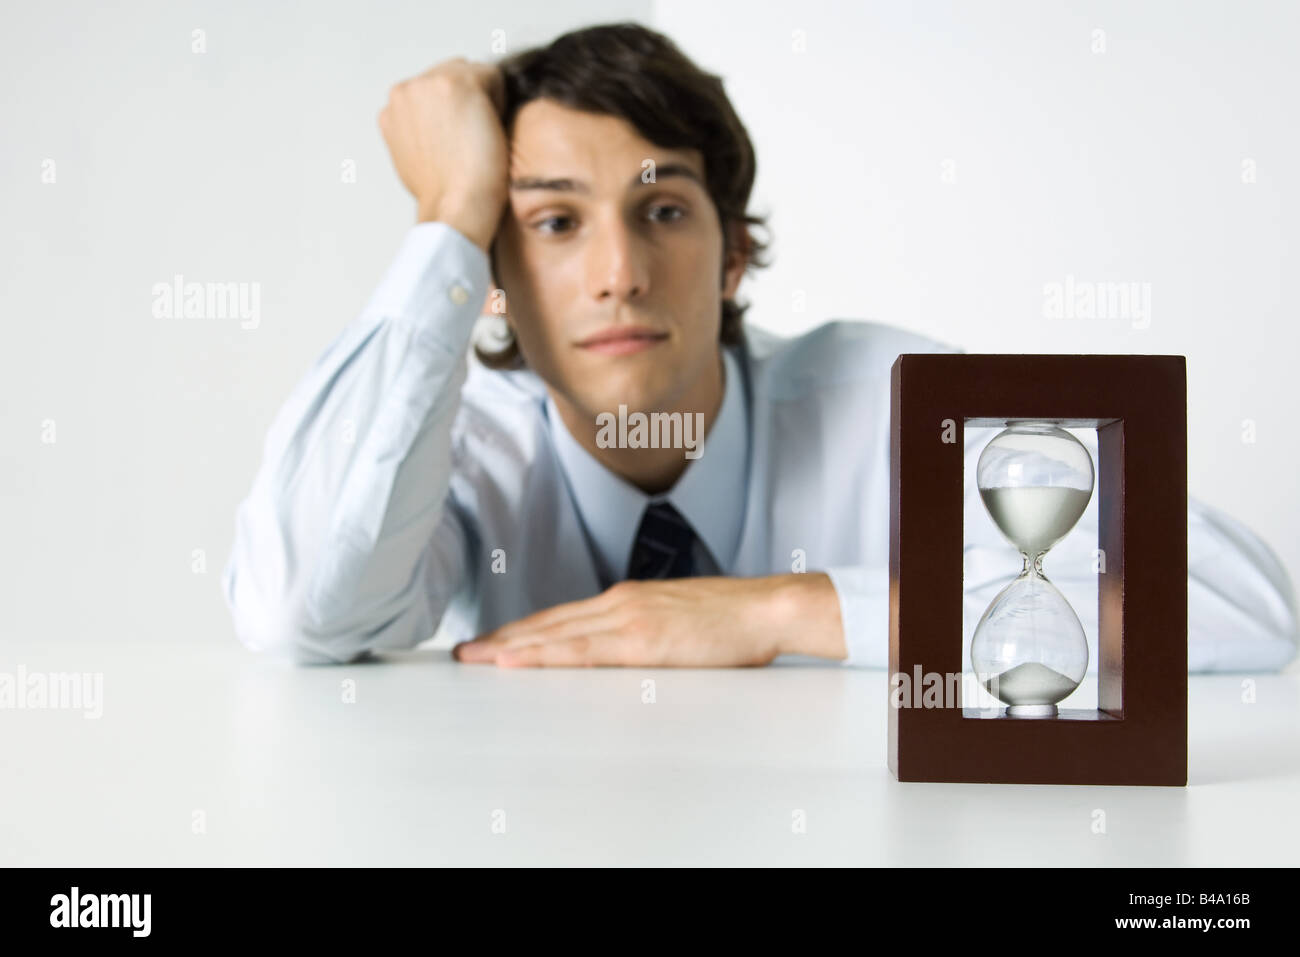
677, 209
549, 219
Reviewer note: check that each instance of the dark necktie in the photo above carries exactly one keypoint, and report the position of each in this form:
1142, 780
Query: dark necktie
665, 545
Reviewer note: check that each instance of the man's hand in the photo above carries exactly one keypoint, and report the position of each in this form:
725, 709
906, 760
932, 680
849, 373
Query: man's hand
707, 622
443, 129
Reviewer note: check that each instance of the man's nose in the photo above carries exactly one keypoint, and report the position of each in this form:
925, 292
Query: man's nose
617, 265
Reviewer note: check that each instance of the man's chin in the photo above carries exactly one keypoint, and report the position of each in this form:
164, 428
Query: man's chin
630, 388
636, 398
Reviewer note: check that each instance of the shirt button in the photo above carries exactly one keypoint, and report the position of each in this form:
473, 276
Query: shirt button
458, 295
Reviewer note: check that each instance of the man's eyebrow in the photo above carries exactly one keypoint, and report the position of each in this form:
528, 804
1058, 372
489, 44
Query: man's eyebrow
569, 185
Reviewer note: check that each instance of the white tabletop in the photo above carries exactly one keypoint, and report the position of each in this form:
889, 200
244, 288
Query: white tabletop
211, 755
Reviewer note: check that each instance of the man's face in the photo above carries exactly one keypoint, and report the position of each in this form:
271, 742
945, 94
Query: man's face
586, 248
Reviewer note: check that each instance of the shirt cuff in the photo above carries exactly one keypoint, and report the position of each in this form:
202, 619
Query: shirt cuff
438, 282
863, 591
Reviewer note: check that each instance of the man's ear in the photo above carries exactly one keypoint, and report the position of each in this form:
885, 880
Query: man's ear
737, 254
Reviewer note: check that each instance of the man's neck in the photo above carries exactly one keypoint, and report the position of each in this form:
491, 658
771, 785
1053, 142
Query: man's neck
651, 470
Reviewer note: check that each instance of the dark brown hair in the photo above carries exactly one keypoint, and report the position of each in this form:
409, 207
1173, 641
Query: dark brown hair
629, 71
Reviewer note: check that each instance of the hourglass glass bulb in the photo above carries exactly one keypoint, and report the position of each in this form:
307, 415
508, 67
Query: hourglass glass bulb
1029, 649
1035, 479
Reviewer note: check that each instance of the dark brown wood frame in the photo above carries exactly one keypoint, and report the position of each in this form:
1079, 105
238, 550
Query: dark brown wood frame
1138, 404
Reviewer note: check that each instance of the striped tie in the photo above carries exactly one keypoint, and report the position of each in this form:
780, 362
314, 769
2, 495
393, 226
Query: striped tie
665, 545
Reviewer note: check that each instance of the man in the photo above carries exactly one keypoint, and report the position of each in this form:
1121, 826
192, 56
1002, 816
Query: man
601, 183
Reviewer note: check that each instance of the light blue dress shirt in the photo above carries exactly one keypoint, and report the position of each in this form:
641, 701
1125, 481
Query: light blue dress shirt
404, 486
710, 494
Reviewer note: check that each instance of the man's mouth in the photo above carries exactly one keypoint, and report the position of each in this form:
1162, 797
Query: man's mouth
621, 341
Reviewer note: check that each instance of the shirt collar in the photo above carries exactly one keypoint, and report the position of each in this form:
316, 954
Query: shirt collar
710, 492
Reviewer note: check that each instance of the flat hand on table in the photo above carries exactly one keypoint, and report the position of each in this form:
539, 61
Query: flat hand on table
703, 622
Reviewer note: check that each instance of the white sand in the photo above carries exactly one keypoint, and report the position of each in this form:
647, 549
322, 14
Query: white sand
1031, 683
1035, 517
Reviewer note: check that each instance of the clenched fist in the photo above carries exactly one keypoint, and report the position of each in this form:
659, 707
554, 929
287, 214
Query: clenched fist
443, 129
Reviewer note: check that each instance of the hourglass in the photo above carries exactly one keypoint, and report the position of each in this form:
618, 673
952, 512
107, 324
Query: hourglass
1029, 649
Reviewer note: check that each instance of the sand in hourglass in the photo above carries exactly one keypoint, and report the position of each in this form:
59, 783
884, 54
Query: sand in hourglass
1031, 683
1035, 517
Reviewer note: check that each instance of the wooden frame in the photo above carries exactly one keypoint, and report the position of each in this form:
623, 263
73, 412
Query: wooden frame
1138, 404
